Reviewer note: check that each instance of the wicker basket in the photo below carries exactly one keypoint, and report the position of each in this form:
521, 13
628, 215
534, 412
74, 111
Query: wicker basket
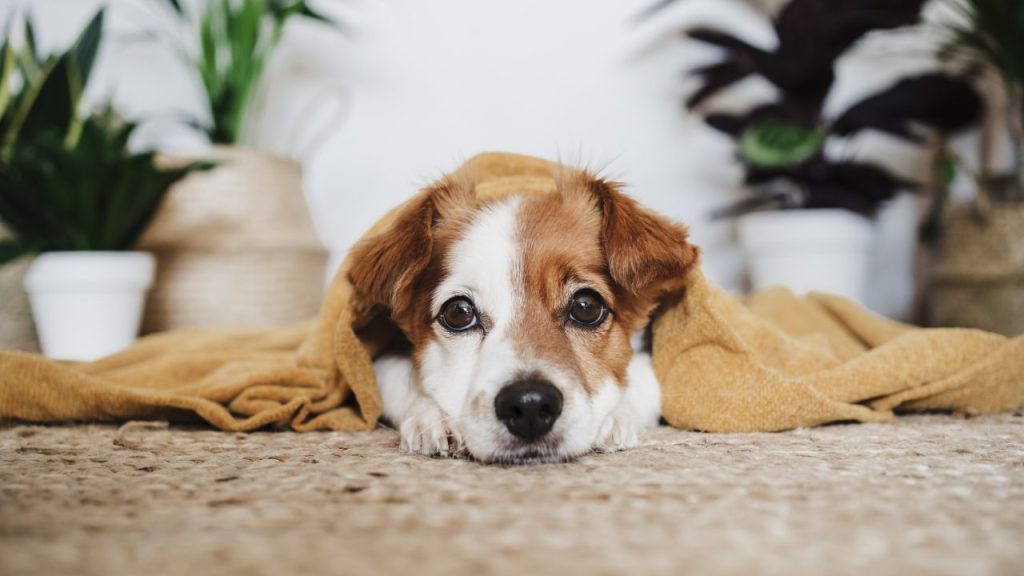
17, 330
978, 277
235, 247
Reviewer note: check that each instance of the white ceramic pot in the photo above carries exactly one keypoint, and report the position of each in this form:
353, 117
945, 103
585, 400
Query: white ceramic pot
821, 250
88, 304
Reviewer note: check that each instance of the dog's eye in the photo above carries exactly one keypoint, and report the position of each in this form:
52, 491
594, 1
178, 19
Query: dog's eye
458, 314
587, 309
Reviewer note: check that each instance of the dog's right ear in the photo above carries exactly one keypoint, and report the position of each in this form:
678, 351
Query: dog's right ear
385, 267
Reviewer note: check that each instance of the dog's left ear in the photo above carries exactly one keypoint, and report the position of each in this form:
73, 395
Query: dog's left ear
646, 252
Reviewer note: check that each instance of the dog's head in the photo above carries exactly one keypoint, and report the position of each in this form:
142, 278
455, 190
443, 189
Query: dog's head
520, 311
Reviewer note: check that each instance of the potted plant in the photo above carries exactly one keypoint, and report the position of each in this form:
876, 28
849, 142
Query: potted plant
71, 190
977, 275
17, 330
236, 245
808, 219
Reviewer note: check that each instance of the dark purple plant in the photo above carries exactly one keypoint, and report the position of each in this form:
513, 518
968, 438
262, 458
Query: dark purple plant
782, 143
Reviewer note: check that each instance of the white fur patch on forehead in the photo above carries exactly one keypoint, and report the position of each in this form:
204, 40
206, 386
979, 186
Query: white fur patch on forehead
485, 264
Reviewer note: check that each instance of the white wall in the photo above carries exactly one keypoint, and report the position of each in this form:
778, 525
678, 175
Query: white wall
419, 86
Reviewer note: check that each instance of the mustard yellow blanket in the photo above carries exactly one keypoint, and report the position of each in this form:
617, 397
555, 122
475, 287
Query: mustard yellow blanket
771, 363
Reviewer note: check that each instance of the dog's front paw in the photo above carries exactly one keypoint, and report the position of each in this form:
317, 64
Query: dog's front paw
425, 430
620, 430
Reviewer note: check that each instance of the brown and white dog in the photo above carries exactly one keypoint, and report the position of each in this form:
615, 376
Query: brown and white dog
521, 312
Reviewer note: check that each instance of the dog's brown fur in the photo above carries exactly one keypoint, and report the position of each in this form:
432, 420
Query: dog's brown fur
590, 234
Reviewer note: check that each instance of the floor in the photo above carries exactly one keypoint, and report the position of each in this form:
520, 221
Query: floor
933, 494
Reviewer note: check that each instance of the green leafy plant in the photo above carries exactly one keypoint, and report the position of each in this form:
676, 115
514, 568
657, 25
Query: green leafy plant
990, 35
69, 182
92, 195
232, 41
986, 35
49, 89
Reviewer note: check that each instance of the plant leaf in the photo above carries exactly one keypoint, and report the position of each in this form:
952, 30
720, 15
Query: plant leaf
829, 27
209, 61
860, 187
176, 6
738, 63
30, 39
7, 65
83, 52
716, 77
307, 12
52, 106
773, 143
943, 103
653, 9
855, 186
29, 61
735, 124
720, 39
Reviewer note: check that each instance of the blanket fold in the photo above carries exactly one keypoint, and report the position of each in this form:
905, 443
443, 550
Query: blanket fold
771, 362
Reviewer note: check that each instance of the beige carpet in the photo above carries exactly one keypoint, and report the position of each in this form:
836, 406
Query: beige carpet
924, 495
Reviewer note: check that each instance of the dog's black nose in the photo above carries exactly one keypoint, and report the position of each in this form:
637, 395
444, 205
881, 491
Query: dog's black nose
529, 408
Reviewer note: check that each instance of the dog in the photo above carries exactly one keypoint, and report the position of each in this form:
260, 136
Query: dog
521, 315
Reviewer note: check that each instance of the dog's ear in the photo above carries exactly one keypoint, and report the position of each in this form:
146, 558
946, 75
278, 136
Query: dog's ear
646, 252
385, 267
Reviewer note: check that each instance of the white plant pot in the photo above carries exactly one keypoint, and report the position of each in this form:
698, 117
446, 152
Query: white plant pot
821, 250
88, 305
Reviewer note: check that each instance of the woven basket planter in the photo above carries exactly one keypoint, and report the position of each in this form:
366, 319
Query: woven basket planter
17, 330
978, 277
235, 247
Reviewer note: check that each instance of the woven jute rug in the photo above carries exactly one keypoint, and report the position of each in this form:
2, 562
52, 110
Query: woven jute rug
930, 494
